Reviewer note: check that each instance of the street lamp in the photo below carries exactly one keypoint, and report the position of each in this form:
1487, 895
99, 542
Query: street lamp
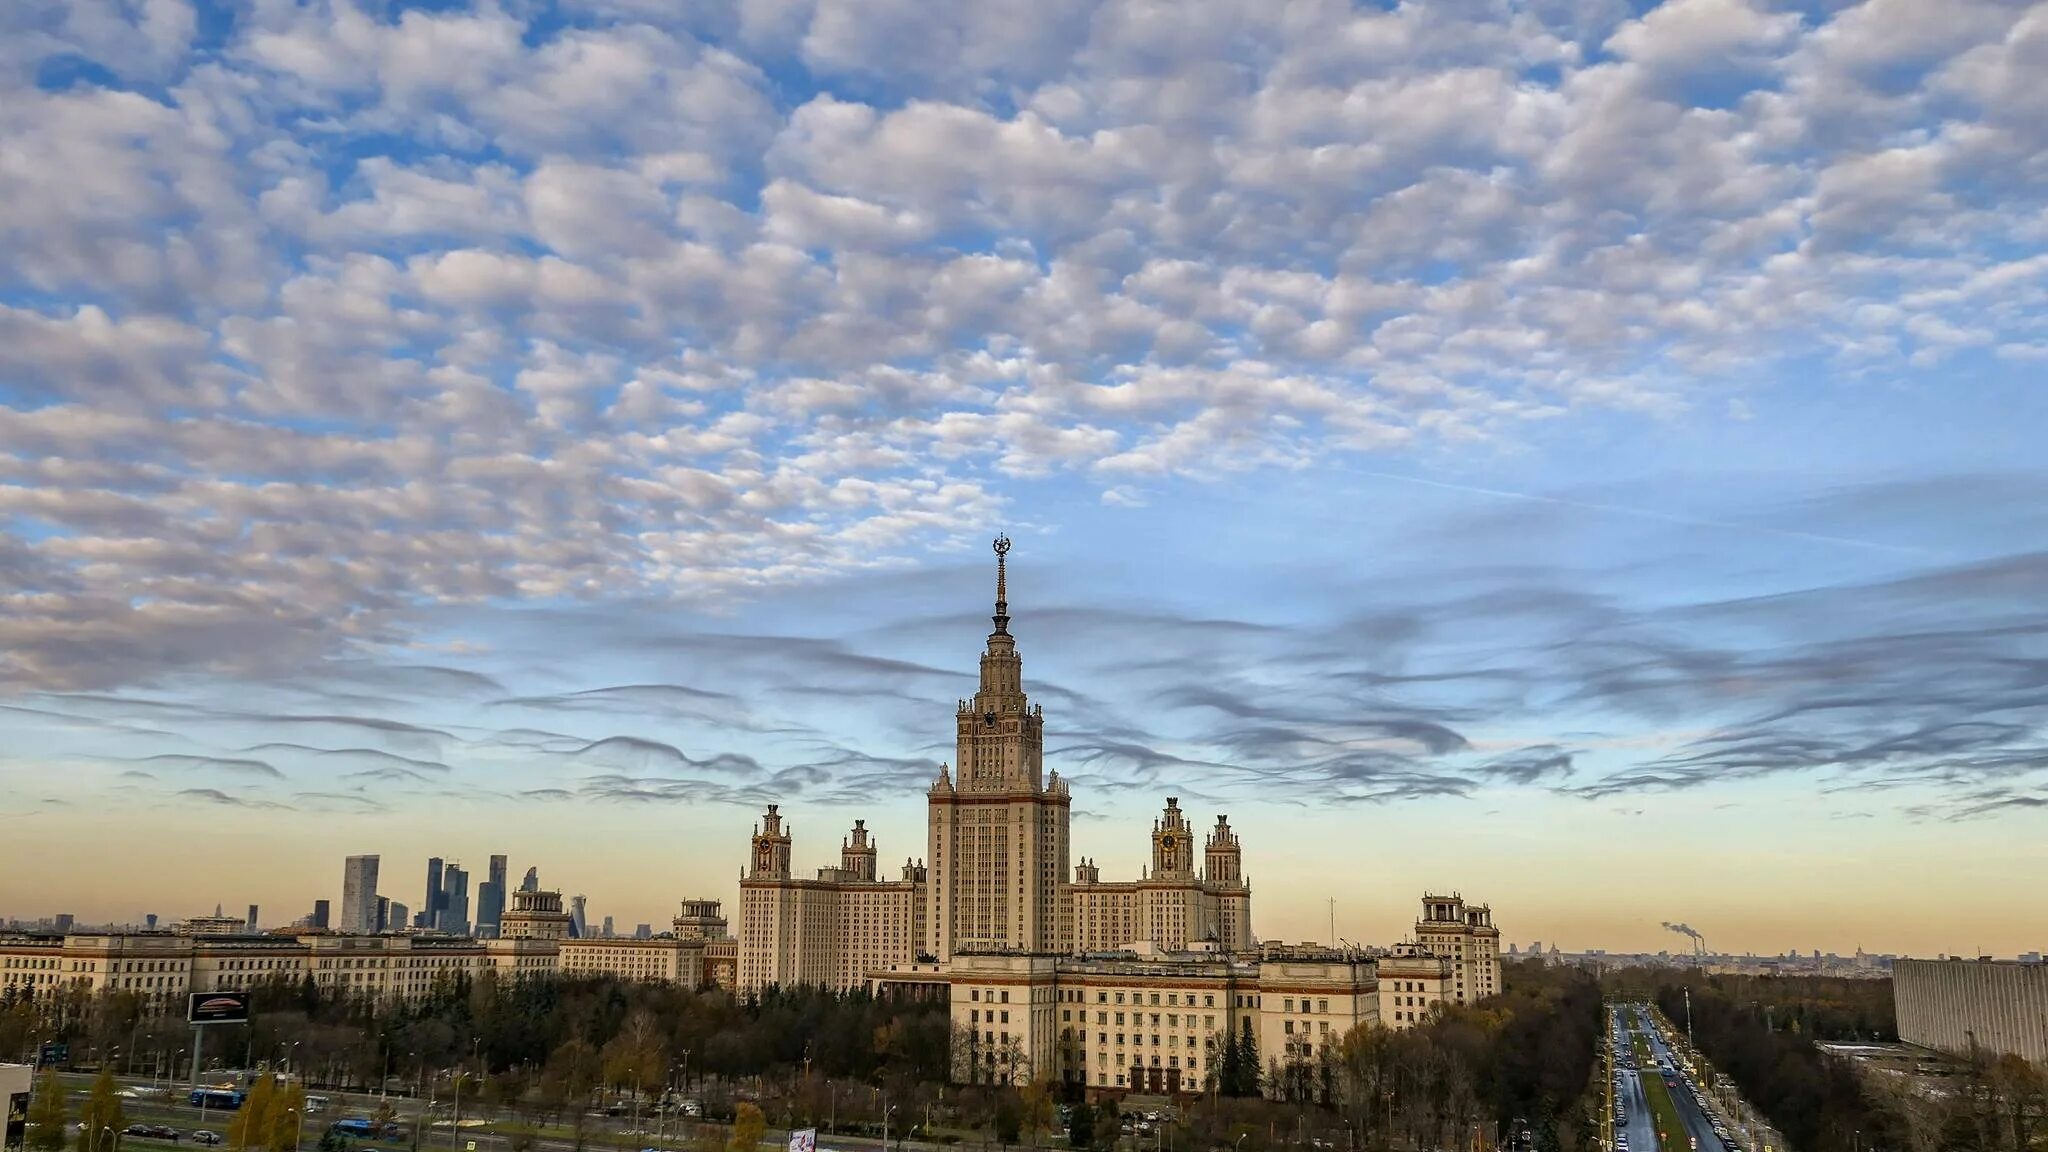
298, 1129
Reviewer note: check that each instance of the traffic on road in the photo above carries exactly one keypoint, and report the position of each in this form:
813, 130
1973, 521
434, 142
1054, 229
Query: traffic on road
1646, 1064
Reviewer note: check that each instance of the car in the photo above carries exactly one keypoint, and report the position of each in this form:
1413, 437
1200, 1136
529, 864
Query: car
202, 1136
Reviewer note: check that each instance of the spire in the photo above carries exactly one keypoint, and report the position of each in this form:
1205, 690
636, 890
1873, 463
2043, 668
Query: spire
1002, 617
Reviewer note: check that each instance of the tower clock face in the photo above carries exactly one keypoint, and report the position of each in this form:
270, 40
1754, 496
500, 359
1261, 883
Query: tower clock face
1167, 842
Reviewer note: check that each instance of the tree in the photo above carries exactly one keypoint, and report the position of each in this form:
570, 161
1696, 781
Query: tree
48, 1117
252, 1126
287, 1119
1081, 1126
749, 1126
1247, 1083
1009, 1119
1035, 1104
1108, 1123
102, 1112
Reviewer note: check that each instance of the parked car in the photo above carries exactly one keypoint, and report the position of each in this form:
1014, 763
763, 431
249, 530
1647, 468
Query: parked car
202, 1136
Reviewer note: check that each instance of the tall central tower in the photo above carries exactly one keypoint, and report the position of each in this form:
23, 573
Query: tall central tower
998, 830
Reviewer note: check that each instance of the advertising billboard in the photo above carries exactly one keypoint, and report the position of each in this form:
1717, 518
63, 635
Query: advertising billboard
803, 1140
218, 1008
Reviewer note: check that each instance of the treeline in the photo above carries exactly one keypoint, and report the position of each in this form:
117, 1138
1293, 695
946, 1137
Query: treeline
1817, 1007
593, 1032
1523, 1060
1758, 1034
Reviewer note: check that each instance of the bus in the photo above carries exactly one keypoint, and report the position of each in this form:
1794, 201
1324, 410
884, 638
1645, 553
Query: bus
316, 1104
219, 1099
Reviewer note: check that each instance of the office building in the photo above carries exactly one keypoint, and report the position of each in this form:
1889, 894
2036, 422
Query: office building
1993, 1007
359, 895
453, 917
643, 931
490, 900
321, 917
607, 932
531, 883
252, 919
434, 901
579, 927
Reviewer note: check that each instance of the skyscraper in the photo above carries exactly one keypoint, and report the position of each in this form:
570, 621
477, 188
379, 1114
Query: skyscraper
532, 881
430, 908
490, 900
453, 917
359, 894
578, 928
252, 918
608, 933
322, 914
994, 900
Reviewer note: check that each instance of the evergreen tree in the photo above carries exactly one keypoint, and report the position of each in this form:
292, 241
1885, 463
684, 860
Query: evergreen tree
1247, 1062
1081, 1126
1230, 1069
102, 1114
48, 1116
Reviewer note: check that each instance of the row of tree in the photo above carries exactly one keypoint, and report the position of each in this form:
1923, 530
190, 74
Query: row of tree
1761, 1034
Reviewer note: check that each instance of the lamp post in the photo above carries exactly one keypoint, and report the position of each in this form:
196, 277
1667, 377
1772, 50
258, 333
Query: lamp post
886, 1113
298, 1129
106, 1131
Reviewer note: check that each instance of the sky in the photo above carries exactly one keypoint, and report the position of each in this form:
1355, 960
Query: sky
1585, 455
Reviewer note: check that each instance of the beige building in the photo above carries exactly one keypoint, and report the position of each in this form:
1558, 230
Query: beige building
998, 833
1112, 984
690, 955
1152, 1023
1463, 934
534, 915
162, 967
1413, 981
1962, 1006
831, 930
1171, 907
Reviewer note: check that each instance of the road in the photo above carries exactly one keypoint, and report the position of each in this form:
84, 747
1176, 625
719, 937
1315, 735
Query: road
1699, 1134
604, 1134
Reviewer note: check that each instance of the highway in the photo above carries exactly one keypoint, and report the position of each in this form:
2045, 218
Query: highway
1699, 1128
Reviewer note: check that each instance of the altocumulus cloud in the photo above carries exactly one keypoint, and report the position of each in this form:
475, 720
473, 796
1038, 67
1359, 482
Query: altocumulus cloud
317, 318
313, 314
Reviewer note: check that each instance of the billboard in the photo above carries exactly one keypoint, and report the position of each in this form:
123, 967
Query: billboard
803, 1140
53, 1052
218, 1008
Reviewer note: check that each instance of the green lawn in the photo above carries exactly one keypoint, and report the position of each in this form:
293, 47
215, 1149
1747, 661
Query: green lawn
1663, 1113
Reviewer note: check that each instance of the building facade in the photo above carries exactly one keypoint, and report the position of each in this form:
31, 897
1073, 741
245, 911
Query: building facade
1051, 971
1964, 1006
359, 894
1463, 934
1172, 906
535, 915
831, 930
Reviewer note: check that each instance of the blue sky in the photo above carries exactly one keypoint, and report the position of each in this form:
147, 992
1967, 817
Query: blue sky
1581, 453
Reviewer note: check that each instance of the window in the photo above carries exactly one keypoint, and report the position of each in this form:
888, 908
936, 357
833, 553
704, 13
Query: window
974, 994
1287, 1026
1290, 1004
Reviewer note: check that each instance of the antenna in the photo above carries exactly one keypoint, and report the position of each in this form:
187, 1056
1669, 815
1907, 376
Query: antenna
1333, 921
